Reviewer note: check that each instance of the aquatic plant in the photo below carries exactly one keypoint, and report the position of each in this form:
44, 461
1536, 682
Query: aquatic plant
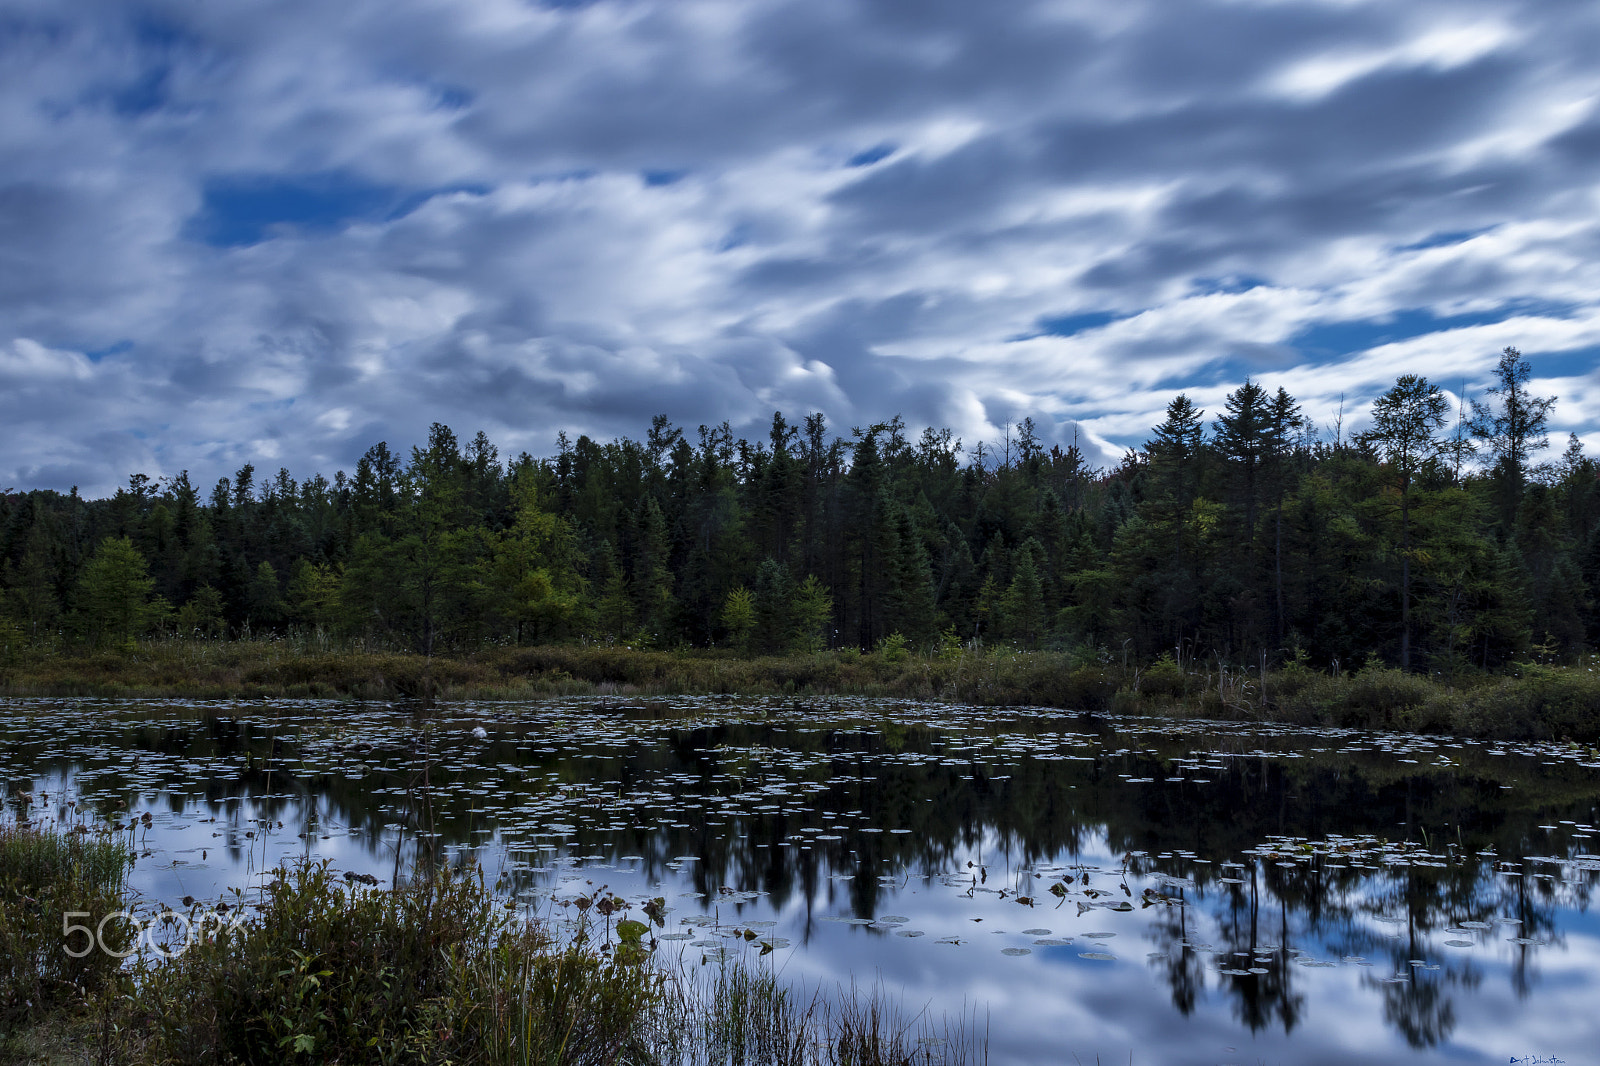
49, 878
438, 970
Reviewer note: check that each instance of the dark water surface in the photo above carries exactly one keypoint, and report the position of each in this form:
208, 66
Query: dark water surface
1093, 886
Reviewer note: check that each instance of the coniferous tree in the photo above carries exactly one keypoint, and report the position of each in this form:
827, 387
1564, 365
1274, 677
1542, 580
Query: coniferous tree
266, 603
1512, 430
1263, 539
1023, 607
115, 595
201, 615
909, 607
738, 617
313, 595
1244, 440
1405, 423
813, 616
772, 603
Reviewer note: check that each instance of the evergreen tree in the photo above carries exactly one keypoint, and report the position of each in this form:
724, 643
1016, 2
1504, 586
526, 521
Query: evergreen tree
31, 586
201, 615
908, 590
613, 611
813, 616
266, 604
534, 587
1405, 421
313, 595
1023, 607
1244, 439
1513, 429
652, 573
738, 618
115, 595
772, 602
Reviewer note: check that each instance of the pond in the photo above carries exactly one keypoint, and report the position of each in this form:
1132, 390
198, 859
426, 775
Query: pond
1181, 892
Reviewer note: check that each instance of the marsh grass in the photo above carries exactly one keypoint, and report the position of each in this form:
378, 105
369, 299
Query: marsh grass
324, 971
1533, 702
538, 1005
742, 1014
439, 971
45, 875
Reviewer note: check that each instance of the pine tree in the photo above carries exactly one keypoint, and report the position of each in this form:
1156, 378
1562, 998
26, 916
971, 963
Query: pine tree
908, 595
1244, 440
1023, 606
1512, 430
613, 611
1405, 421
813, 616
266, 605
652, 573
738, 618
772, 601
313, 595
115, 595
1285, 426
201, 615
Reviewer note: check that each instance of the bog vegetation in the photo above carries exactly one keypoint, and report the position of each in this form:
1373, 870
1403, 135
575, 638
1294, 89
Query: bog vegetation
435, 971
1429, 544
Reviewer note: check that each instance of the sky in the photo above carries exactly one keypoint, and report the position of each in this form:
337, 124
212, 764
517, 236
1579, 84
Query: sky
235, 231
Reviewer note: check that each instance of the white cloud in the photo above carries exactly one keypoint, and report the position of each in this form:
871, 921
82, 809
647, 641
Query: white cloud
589, 215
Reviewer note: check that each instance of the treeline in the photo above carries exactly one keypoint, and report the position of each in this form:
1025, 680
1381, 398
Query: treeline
1430, 541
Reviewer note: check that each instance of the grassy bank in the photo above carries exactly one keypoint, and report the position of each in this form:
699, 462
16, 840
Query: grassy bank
437, 971
1532, 702
44, 974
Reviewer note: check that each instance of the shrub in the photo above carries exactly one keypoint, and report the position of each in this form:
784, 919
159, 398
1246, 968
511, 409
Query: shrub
44, 877
433, 971
1164, 678
326, 972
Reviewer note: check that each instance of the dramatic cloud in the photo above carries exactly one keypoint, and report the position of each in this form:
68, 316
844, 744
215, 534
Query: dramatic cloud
279, 232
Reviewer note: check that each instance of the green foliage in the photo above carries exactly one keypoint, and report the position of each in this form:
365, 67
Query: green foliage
1226, 540
266, 605
1512, 429
202, 615
433, 971
313, 595
1022, 609
893, 648
1164, 678
813, 616
46, 875
325, 972
739, 617
772, 604
436, 971
115, 601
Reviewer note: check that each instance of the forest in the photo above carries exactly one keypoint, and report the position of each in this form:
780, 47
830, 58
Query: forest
1431, 541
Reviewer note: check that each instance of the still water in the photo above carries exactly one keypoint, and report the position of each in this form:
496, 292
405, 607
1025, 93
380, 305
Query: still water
1088, 885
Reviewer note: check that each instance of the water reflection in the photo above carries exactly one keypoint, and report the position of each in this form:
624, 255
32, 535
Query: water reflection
1256, 873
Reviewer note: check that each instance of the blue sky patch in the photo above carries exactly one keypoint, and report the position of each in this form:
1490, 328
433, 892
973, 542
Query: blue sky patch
1232, 283
1338, 339
94, 355
1070, 325
663, 177
241, 211
1444, 239
144, 94
877, 153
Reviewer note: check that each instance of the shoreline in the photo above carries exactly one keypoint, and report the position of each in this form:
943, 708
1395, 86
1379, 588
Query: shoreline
1535, 702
